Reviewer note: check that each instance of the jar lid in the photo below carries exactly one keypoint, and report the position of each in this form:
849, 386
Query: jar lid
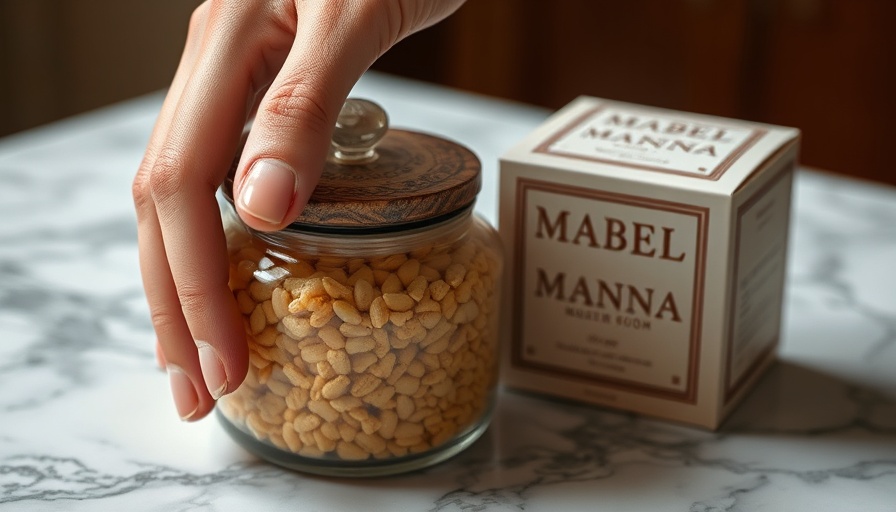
382, 179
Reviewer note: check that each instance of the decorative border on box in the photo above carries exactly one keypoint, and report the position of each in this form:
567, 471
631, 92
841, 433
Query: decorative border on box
732, 389
701, 214
715, 175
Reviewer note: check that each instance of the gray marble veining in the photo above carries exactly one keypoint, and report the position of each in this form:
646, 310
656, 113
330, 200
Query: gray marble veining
86, 422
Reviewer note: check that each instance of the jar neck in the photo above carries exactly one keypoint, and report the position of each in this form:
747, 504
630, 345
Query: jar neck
444, 232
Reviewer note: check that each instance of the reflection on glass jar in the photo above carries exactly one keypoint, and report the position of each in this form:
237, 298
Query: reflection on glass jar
373, 349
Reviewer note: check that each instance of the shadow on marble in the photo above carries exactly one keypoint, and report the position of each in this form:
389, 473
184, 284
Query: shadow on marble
800, 400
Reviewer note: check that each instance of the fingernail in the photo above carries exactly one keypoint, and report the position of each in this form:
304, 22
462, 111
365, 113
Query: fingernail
212, 370
185, 398
269, 190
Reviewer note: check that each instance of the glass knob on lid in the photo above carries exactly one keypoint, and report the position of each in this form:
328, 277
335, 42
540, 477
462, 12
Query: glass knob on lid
379, 178
360, 126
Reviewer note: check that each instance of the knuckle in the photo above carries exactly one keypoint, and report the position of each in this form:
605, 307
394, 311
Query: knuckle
406, 17
166, 177
298, 103
140, 190
165, 321
397, 25
192, 297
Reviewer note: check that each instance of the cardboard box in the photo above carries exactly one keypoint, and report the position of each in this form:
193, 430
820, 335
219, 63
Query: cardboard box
646, 251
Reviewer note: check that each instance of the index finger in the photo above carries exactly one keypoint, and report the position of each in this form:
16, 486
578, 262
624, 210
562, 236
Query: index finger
191, 162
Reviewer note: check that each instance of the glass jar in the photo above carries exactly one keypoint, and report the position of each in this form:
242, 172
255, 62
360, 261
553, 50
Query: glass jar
371, 320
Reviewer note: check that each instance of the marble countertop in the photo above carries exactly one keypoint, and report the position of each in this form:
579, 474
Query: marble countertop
86, 421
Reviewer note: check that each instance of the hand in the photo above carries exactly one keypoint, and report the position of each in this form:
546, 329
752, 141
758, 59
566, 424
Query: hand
293, 62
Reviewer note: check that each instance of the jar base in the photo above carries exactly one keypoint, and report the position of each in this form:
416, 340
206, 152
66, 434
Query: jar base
369, 468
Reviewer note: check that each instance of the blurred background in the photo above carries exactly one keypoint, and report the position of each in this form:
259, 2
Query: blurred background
825, 66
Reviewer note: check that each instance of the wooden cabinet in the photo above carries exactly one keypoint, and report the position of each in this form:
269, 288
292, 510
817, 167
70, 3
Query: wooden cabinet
825, 66
63, 57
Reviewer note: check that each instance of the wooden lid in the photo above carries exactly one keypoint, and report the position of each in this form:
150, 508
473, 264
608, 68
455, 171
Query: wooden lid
382, 184
416, 177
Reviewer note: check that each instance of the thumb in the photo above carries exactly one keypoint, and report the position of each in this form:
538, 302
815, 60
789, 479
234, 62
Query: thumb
289, 141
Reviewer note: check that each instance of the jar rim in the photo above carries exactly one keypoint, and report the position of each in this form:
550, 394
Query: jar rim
376, 229
446, 232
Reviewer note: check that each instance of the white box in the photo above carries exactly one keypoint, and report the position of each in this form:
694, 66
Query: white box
646, 257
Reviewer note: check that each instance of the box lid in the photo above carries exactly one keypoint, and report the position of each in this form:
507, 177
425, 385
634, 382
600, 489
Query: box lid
635, 142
